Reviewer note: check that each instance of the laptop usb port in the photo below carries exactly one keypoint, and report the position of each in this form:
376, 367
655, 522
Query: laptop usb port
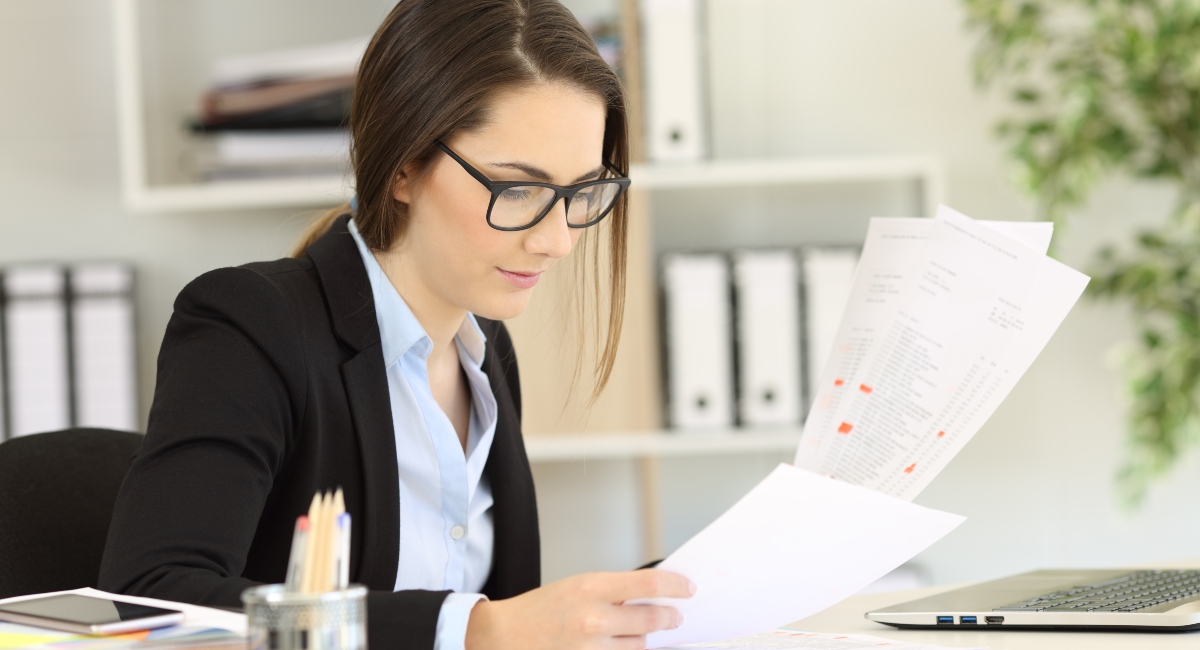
967, 620
945, 620
994, 620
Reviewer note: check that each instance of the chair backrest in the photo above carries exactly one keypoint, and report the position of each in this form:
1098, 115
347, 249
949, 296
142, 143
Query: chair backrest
57, 492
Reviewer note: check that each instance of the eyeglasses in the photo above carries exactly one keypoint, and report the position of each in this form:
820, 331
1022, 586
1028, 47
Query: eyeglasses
522, 204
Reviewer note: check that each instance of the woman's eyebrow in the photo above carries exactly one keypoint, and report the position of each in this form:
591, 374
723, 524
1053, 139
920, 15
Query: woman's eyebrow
542, 175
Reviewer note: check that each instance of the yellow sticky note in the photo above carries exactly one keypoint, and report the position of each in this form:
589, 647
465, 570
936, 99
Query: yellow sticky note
9, 640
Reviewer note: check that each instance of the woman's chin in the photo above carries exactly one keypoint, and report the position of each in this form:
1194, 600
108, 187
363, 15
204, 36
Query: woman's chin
504, 307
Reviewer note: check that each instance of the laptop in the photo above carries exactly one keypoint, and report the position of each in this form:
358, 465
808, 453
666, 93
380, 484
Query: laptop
1117, 599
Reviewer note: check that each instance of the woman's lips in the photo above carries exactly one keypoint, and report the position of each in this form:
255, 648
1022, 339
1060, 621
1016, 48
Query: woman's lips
521, 280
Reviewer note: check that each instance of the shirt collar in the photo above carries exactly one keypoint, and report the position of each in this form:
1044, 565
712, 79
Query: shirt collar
399, 329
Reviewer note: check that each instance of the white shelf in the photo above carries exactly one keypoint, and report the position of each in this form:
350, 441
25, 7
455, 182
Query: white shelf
140, 193
618, 446
332, 190
229, 195
780, 171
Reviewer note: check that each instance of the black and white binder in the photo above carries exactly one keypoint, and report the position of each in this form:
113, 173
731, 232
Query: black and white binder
698, 340
767, 289
828, 280
673, 63
35, 354
102, 345
4, 425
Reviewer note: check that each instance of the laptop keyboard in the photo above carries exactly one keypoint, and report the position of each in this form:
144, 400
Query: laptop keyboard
1128, 593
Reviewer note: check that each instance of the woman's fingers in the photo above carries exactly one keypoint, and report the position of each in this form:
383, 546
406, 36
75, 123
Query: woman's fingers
640, 620
627, 643
647, 583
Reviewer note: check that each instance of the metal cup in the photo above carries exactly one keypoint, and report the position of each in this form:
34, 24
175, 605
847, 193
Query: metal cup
281, 620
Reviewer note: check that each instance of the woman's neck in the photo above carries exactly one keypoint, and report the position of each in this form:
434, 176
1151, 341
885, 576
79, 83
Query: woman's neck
440, 319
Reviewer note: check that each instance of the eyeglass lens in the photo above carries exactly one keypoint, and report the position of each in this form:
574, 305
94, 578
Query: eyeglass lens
519, 206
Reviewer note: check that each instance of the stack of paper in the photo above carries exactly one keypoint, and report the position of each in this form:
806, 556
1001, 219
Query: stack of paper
944, 317
202, 626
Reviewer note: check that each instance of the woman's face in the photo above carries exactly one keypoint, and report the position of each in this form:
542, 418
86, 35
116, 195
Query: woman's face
550, 133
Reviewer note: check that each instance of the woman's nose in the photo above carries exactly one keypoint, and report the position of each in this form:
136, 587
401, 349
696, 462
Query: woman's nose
551, 236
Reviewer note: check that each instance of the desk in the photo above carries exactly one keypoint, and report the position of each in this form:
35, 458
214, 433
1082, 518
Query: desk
847, 618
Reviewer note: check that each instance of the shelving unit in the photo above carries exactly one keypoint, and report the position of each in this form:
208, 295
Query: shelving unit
141, 194
626, 423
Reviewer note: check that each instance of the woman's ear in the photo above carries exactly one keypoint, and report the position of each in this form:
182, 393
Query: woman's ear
402, 187
402, 190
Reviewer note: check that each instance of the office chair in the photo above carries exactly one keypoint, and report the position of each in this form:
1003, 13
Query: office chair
57, 492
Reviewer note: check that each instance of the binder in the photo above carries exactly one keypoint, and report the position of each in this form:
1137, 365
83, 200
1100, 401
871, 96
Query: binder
102, 346
674, 80
35, 324
767, 290
4, 418
828, 279
698, 340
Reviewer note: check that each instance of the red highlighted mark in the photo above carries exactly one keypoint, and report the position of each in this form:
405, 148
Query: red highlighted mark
845, 427
838, 382
910, 468
865, 388
941, 434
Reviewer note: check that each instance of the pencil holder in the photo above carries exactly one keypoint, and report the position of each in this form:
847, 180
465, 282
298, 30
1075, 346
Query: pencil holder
281, 620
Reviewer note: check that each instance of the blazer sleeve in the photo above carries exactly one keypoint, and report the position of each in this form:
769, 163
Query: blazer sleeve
230, 390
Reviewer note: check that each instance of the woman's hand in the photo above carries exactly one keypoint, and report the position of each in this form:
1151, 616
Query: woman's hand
583, 612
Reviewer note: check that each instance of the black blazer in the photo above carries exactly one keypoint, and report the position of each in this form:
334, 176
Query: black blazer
271, 386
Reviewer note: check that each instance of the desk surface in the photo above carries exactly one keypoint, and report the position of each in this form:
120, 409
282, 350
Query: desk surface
847, 618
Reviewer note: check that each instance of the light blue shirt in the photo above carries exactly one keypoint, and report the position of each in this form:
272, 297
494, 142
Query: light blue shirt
446, 528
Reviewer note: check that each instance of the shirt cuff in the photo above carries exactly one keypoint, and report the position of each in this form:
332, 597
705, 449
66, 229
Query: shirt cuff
452, 621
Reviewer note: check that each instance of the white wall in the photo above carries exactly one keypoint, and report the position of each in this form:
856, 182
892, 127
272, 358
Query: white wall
789, 77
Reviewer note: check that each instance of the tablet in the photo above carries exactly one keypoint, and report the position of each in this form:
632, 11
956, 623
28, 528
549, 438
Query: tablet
88, 615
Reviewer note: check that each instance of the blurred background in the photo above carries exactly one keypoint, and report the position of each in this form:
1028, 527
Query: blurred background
803, 119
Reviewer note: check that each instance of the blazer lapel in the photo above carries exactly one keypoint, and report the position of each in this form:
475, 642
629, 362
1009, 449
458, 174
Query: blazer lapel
367, 390
352, 310
516, 565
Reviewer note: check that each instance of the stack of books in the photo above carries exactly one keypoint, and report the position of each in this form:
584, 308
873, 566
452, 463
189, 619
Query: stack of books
278, 114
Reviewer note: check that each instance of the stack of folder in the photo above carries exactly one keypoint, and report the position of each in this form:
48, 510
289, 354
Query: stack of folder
746, 332
278, 114
67, 348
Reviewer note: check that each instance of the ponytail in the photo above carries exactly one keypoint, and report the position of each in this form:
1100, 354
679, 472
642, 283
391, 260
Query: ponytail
318, 228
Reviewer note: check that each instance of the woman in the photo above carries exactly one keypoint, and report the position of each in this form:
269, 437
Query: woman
376, 359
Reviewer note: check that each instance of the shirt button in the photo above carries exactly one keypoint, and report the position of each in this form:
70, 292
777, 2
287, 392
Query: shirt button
457, 533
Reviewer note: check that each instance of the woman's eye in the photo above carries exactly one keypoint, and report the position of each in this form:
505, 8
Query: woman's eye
516, 194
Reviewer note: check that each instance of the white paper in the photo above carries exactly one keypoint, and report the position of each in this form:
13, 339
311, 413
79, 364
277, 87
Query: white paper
785, 639
893, 246
796, 544
193, 615
943, 321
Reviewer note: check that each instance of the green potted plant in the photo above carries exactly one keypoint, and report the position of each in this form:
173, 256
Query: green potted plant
1105, 87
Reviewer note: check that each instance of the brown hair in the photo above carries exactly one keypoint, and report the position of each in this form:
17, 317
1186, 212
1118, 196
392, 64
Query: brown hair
431, 70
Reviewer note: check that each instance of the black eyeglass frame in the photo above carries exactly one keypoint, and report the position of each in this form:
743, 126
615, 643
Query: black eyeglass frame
560, 192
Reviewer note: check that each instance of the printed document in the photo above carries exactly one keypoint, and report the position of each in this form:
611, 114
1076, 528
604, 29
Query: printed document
944, 317
796, 544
